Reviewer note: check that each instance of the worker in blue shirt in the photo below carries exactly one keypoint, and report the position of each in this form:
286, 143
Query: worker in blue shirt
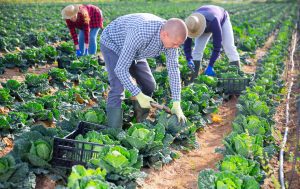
207, 21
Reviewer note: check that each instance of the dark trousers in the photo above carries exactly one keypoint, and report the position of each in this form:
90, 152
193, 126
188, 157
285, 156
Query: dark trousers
139, 70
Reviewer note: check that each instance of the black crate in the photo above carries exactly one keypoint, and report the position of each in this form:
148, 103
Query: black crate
68, 152
233, 86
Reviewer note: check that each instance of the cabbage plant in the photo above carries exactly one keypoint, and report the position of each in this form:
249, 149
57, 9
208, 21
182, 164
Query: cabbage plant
81, 178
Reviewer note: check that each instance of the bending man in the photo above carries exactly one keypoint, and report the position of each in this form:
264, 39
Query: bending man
136, 37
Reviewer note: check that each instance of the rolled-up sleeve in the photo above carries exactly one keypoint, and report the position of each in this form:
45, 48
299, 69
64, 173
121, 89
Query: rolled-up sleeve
131, 45
174, 73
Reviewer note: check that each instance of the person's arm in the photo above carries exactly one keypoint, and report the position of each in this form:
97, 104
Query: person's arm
101, 19
132, 44
187, 47
217, 41
175, 84
86, 29
72, 32
174, 73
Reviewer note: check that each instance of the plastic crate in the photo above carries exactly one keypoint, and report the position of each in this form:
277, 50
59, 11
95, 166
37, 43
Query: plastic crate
68, 152
233, 86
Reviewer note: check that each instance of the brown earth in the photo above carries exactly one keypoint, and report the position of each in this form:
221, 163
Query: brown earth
8, 145
183, 172
292, 181
259, 53
15, 74
44, 182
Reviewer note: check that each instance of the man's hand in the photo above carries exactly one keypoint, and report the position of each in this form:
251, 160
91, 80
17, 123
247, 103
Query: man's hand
144, 100
176, 109
210, 71
191, 65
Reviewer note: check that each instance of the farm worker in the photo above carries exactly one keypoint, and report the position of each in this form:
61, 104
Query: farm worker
125, 43
207, 21
88, 19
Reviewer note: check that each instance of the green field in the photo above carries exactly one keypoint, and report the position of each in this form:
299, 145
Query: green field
39, 106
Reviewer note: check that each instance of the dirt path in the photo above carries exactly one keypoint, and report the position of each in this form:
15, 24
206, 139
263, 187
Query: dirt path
259, 53
272, 181
292, 141
183, 172
15, 74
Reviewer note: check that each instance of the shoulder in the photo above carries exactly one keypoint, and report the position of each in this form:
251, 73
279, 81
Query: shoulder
83, 10
92, 7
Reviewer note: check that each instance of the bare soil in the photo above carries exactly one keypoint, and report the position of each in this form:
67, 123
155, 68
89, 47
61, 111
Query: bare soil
9, 145
15, 74
292, 180
44, 182
183, 172
259, 53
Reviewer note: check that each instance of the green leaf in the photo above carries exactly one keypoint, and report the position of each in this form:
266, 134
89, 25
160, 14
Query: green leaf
206, 179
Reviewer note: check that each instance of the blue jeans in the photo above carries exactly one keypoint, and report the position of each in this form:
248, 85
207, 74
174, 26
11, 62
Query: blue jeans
139, 70
92, 42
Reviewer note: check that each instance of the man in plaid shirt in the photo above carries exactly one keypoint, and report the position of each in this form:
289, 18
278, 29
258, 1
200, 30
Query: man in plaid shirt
88, 19
136, 37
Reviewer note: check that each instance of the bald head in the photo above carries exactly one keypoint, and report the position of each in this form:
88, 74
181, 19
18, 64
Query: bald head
173, 33
176, 28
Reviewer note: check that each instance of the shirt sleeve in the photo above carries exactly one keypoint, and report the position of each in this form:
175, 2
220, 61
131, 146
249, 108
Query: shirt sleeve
217, 41
132, 44
187, 47
101, 19
86, 28
174, 73
72, 31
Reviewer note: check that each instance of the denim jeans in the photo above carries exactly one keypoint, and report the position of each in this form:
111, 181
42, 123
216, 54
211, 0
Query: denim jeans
92, 42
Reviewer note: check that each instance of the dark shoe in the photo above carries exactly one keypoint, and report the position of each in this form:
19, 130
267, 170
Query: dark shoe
114, 117
197, 67
235, 63
100, 61
140, 113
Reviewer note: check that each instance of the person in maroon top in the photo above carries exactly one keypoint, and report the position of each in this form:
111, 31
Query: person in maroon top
88, 19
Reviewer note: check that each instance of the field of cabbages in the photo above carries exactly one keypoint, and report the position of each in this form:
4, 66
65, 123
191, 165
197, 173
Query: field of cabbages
53, 124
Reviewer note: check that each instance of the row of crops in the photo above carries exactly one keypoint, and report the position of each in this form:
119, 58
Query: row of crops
34, 25
249, 34
77, 92
251, 145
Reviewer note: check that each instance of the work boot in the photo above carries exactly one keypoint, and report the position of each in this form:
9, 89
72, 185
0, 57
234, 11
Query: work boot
114, 117
235, 63
197, 67
100, 61
140, 113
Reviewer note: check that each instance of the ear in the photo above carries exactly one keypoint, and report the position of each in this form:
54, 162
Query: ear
165, 34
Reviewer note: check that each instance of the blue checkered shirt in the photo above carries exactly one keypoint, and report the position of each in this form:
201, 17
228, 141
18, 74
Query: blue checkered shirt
135, 37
